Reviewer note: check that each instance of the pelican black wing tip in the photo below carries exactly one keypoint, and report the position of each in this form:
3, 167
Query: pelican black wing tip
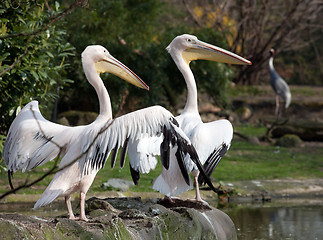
10, 175
135, 175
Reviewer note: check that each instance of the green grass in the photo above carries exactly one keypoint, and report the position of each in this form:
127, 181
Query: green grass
306, 91
244, 161
239, 90
249, 130
249, 91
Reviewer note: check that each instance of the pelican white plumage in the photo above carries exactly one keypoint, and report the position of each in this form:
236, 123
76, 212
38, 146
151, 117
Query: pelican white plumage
211, 140
278, 84
32, 140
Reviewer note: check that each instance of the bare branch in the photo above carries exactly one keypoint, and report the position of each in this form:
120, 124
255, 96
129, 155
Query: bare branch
188, 9
122, 103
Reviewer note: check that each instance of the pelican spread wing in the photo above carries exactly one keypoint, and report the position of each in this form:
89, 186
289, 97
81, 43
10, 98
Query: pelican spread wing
113, 134
212, 140
213, 161
143, 153
32, 140
157, 124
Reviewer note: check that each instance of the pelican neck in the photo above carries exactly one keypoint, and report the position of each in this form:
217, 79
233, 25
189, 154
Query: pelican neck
191, 101
103, 95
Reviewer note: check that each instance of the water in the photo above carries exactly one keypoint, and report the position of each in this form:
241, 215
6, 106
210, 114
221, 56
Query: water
55, 209
300, 219
279, 220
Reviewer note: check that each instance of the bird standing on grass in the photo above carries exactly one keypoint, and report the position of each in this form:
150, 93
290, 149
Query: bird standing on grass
279, 85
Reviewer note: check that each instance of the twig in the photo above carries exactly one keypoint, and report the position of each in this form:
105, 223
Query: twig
240, 135
27, 185
272, 126
122, 103
19, 58
196, 20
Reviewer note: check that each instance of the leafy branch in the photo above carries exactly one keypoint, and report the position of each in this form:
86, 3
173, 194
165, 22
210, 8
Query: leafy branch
52, 20
33, 34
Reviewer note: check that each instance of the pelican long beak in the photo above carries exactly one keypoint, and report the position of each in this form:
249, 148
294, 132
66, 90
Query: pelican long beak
115, 67
205, 51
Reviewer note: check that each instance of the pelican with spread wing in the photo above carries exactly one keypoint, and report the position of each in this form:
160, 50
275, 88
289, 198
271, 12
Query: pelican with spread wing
33, 141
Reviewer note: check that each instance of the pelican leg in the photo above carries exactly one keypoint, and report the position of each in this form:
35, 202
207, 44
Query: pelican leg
198, 198
196, 186
82, 207
69, 208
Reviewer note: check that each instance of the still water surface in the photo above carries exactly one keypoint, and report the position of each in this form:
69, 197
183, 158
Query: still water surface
298, 220
285, 219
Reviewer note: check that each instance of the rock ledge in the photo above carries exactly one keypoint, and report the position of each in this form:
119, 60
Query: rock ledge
126, 218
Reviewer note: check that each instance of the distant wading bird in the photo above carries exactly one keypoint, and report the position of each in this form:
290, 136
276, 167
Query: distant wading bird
32, 140
211, 140
278, 84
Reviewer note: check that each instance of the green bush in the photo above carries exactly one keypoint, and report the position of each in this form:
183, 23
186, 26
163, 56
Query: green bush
288, 140
33, 54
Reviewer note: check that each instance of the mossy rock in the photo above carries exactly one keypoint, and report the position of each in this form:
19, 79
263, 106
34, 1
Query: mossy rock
127, 219
116, 230
11, 230
288, 140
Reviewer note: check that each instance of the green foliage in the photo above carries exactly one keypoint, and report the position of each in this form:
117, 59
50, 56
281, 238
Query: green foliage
302, 67
137, 33
126, 28
33, 56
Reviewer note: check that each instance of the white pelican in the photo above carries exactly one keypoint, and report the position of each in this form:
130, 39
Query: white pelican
32, 140
278, 84
211, 140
